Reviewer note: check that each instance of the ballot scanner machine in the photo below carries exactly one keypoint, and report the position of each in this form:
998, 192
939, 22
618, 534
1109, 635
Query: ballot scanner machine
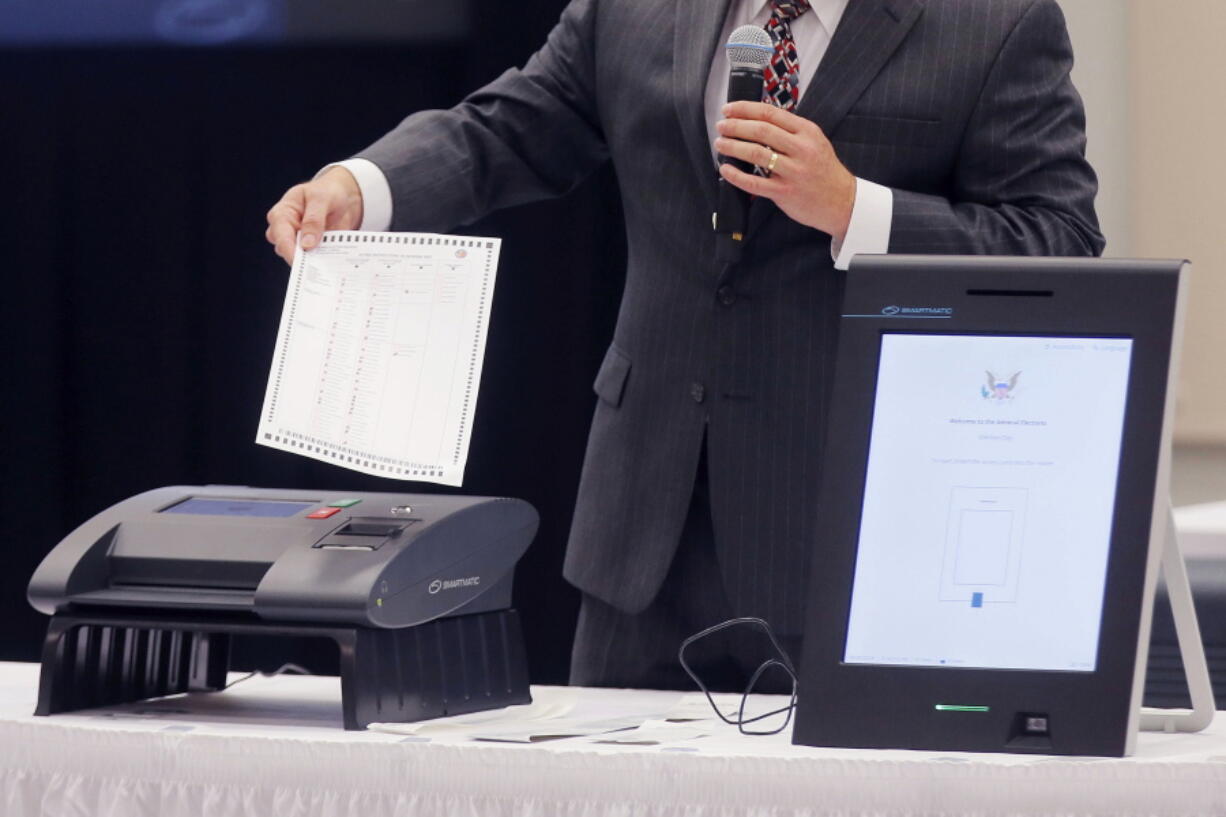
415, 590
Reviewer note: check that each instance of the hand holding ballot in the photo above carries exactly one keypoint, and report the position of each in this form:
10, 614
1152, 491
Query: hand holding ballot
379, 353
331, 201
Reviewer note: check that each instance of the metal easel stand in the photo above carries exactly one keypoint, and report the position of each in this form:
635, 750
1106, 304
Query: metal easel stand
1191, 648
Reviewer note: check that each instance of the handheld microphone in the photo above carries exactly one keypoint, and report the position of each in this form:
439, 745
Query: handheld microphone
749, 50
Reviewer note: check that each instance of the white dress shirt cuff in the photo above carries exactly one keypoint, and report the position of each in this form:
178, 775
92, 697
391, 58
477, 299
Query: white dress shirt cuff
869, 229
376, 192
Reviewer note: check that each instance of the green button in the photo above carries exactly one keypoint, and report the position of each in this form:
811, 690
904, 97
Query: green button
344, 503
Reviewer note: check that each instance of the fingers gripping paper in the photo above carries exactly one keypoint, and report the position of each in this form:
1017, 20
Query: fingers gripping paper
379, 353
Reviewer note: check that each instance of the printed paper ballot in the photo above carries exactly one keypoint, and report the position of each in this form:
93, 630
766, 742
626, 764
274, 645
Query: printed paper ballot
378, 358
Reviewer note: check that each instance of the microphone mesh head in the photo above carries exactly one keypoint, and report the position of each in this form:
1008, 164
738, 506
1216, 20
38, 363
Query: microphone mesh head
749, 47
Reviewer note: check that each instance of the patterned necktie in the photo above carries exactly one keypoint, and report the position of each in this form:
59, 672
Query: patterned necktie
782, 86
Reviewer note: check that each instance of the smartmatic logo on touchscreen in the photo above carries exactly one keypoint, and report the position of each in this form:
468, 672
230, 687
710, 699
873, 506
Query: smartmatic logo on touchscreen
917, 311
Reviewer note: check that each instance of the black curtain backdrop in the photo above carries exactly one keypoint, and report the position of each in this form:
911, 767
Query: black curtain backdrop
141, 302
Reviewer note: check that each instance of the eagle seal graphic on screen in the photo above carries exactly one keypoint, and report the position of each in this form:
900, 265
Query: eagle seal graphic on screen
998, 389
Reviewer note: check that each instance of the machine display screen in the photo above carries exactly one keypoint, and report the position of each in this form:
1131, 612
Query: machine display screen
988, 502
239, 507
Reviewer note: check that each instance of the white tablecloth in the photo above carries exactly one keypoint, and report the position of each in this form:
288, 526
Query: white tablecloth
274, 748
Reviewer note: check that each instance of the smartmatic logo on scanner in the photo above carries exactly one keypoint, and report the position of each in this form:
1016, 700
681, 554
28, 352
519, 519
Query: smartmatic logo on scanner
452, 584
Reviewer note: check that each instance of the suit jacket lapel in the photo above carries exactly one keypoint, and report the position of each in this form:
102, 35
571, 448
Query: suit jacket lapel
696, 35
869, 33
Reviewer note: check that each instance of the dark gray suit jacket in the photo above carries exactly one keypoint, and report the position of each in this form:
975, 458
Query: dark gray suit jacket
963, 107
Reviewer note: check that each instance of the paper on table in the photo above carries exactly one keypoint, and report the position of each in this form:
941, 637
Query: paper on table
696, 707
657, 733
555, 713
559, 729
559, 705
379, 353
557, 716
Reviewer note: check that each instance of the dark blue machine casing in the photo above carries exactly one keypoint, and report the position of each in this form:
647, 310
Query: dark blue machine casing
388, 560
415, 591
1089, 713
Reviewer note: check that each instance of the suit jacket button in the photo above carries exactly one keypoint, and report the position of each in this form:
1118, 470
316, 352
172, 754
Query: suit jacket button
698, 392
726, 296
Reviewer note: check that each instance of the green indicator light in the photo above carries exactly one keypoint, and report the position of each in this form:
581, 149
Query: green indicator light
344, 503
961, 708
378, 602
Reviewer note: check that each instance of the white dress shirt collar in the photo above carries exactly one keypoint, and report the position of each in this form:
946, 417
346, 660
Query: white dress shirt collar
829, 12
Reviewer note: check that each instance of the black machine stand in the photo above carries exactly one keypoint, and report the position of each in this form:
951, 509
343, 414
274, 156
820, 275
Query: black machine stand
450, 666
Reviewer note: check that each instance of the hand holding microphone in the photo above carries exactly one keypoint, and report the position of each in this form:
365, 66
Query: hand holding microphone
806, 180
749, 49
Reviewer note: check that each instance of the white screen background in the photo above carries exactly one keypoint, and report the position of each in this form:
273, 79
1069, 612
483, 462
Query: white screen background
987, 510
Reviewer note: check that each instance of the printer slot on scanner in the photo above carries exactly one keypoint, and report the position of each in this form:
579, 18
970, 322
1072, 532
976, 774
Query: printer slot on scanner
364, 533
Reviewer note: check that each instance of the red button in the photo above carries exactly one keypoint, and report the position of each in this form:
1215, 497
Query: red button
323, 513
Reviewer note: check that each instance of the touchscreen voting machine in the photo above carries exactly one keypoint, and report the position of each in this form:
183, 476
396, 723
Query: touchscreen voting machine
995, 505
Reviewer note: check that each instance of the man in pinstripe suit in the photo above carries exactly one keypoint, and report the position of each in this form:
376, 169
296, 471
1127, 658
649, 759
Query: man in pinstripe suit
935, 126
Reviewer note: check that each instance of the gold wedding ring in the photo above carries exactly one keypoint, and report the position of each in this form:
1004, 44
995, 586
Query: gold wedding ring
770, 168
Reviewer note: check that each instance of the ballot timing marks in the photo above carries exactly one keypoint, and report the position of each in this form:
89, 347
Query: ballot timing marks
749, 50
